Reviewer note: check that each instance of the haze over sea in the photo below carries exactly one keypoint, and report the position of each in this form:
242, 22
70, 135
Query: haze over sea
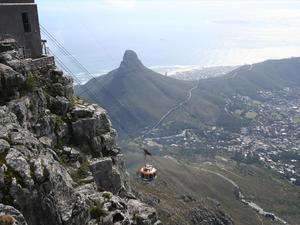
172, 33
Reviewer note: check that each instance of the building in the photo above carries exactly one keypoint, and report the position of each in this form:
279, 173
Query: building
19, 20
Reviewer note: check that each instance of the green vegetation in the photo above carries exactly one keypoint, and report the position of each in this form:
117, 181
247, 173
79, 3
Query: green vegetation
250, 115
145, 94
106, 195
54, 89
97, 212
133, 144
73, 100
59, 122
276, 115
296, 119
238, 112
198, 180
32, 82
9, 174
255, 102
82, 172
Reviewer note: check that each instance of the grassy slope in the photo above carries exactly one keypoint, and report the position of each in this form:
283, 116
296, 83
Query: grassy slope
268, 75
176, 179
208, 100
145, 95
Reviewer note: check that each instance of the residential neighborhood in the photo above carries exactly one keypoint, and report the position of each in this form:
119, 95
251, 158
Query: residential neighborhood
270, 137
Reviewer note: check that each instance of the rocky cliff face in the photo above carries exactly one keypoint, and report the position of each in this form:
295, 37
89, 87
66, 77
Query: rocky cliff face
59, 163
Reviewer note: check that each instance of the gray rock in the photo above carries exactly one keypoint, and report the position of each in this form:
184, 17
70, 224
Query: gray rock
60, 105
71, 154
11, 82
38, 104
19, 108
16, 160
2, 171
206, 216
43, 190
118, 216
144, 215
24, 137
81, 111
4, 145
46, 141
9, 210
45, 126
12, 59
106, 176
3, 132
68, 91
107, 220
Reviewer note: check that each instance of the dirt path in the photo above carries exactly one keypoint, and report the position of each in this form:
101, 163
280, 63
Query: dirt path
175, 107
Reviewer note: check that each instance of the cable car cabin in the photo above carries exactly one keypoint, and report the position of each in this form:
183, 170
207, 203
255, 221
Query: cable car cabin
148, 173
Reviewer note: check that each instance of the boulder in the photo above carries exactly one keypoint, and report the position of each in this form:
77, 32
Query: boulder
106, 176
37, 124
3, 132
144, 214
81, 111
19, 108
60, 105
45, 126
71, 154
12, 59
38, 103
18, 163
4, 145
209, 216
3, 168
11, 82
11, 211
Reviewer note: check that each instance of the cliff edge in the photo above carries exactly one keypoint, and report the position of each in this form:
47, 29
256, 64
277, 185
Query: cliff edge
59, 162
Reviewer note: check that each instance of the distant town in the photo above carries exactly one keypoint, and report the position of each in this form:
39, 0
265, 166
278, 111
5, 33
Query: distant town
270, 137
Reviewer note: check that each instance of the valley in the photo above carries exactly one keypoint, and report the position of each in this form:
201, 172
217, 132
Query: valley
270, 136
226, 147
183, 185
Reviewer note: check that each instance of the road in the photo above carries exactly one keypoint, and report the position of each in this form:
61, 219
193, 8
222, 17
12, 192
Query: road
189, 96
187, 100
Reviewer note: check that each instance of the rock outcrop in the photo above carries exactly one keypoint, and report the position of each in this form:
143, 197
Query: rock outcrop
59, 162
205, 216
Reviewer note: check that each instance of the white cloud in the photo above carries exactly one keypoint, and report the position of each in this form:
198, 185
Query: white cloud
240, 56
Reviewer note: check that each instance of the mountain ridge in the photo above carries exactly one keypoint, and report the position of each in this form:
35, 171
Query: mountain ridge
143, 96
126, 85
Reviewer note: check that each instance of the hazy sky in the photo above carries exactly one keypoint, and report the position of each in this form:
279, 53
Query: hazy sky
174, 32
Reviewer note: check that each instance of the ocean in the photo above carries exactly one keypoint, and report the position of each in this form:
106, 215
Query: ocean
170, 34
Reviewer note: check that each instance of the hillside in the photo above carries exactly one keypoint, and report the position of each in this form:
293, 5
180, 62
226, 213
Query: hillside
248, 80
184, 188
134, 95
137, 98
59, 162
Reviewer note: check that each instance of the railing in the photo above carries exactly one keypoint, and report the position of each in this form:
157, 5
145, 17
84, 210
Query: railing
40, 63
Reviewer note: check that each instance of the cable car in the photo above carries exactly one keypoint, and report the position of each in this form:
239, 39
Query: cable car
147, 173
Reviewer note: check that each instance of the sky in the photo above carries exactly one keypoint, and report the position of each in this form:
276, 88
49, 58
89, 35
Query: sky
172, 33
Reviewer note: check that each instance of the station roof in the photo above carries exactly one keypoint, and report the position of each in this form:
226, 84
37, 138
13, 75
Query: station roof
16, 1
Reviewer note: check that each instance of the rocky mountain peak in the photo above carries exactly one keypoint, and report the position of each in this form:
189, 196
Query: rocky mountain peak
131, 61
